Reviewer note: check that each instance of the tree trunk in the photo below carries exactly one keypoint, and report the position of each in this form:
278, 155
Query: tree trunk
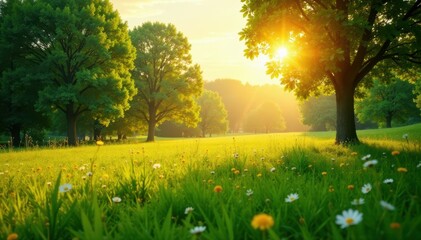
97, 130
389, 120
71, 125
346, 132
151, 131
15, 133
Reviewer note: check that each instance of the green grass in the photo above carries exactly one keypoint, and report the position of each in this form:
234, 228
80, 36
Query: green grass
154, 200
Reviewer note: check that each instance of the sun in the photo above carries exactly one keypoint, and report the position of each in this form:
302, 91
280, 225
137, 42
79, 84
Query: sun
281, 53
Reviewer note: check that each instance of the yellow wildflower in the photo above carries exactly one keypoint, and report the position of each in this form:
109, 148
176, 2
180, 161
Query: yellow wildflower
262, 221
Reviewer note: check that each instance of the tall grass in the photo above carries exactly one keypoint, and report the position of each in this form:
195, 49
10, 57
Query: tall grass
157, 182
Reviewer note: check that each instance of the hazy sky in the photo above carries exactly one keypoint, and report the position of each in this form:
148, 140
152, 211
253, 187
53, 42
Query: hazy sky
212, 28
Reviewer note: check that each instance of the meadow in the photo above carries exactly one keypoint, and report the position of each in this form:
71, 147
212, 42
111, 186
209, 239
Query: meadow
274, 186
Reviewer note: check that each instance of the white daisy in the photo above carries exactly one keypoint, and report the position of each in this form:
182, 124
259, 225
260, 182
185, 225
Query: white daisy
387, 205
366, 157
156, 166
116, 199
65, 187
388, 181
291, 197
249, 192
197, 229
370, 163
366, 188
188, 210
349, 217
359, 201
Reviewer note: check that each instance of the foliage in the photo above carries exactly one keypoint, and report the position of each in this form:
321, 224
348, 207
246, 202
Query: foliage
177, 174
81, 54
267, 118
17, 91
167, 81
319, 112
212, 113
333, 46
389, 102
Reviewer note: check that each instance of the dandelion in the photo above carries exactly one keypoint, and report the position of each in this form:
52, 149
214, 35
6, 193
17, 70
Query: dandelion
236, 172
324, 173
402, 169
217, 189
249, 192
366, 188
156, 166
354, 154
49, 184
291, 197
359, 201
370, 163
65, 187
89, 174
388, 181
262, 221
331, 188
349, 217
235, 155
99, 143
273, 169
259, 175
293, 168
387, 205
419, 165
366, 157
188, 210
212, 172
405, 136
350, 187
198, 229
395, 153
116, 199
13, 236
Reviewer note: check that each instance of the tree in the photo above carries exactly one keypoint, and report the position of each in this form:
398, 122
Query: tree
167, 81
319, 113
387, 102
212, 113
82, 53
335, 45
17, 92
265, 119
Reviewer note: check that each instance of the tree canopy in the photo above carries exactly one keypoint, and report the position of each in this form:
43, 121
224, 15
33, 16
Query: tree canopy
266, 118
167, 81
387, 102
213, 116
81, 54
334, 45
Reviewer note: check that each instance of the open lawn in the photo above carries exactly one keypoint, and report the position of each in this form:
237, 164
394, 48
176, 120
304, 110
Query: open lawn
218, 188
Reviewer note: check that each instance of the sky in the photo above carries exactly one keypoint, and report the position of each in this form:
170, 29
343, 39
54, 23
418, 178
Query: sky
212, 28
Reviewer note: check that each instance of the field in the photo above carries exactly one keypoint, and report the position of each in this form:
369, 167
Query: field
276, 186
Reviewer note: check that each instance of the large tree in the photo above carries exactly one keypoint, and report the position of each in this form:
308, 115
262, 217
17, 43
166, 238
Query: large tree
333, 45
82, 53
167, 81
387, 102
212, 113
17, 92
